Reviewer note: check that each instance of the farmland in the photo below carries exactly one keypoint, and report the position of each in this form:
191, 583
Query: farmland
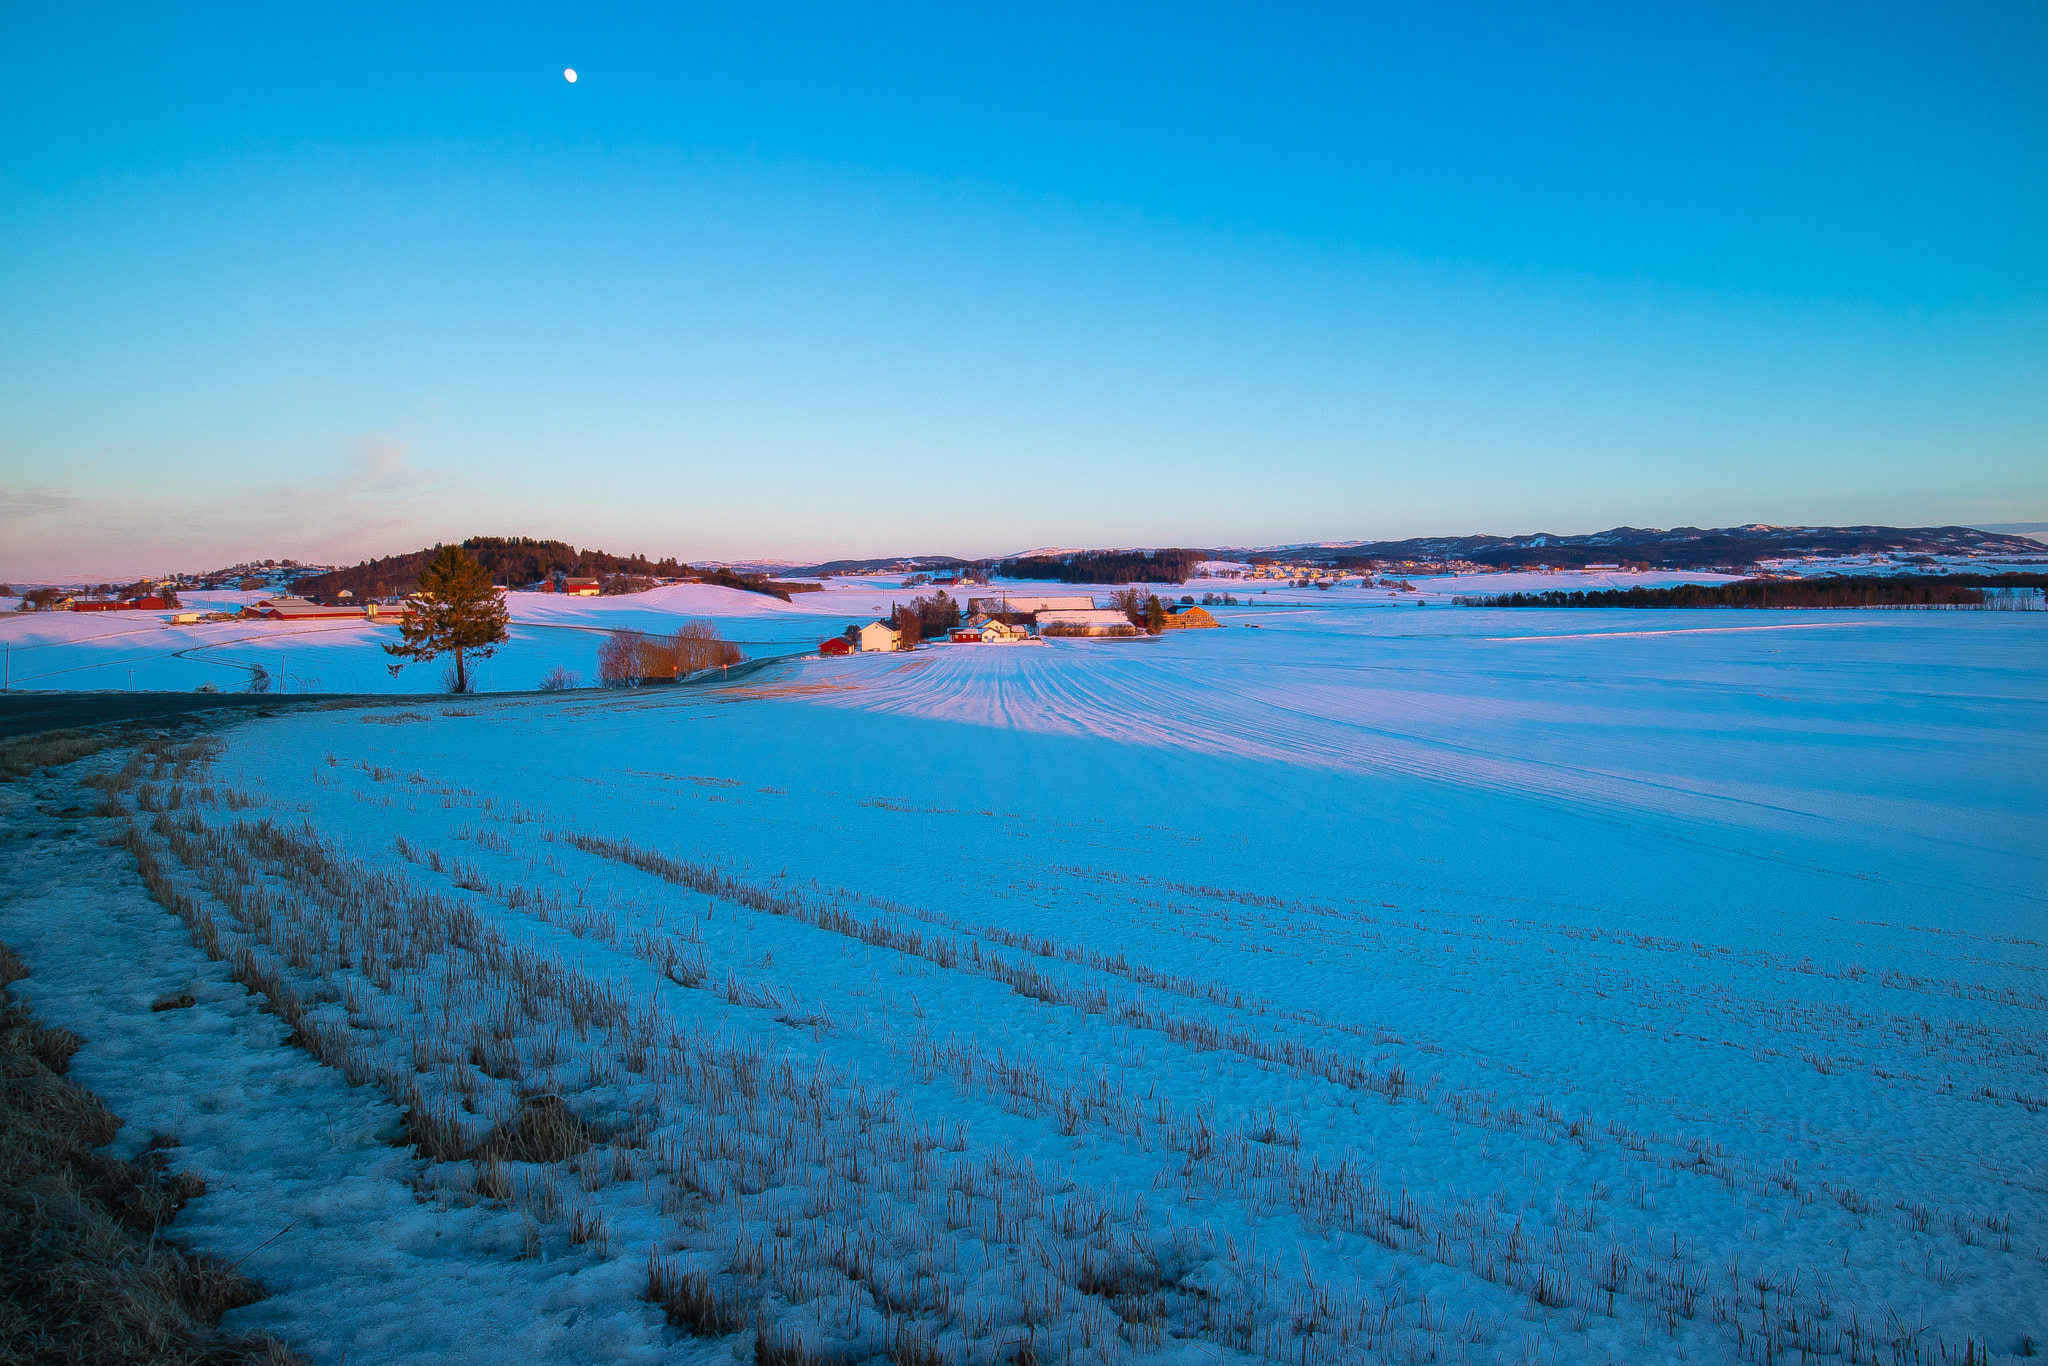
1375, 985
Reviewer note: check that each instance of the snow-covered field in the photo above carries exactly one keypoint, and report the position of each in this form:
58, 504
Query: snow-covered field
1382, 983
144, 651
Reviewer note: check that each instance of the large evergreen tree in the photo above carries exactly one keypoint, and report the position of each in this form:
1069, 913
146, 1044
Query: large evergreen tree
456, 611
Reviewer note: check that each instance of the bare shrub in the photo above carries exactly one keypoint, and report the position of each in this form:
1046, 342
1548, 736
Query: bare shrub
561, 679
618, 660
628, 658
697, 647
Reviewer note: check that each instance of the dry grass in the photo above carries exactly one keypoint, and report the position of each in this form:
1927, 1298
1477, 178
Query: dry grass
84, 1278
692, 1303
542, 1131
48, 749
841, 1226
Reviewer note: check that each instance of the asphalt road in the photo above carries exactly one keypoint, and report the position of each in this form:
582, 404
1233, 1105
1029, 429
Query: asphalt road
26, 713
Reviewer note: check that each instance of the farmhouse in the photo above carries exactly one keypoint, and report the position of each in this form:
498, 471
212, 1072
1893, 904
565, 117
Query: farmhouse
879, 635
1190, 619
989, 631
582, 588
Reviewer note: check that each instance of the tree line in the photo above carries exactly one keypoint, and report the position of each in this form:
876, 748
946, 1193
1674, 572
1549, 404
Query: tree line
629, 658
44, 599
1945, 590
1105, 566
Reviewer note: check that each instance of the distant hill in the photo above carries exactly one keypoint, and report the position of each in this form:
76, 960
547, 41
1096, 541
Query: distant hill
513, 561
518, 560
914, 564
1734, 548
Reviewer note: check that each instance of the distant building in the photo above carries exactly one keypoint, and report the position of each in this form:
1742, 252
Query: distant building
838, 645
1089, 622
298, 609
989, 631
879, 635
1190, 619
1018, 602
582, 588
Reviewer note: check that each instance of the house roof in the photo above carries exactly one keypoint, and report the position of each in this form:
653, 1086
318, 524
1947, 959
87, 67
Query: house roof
1095, 617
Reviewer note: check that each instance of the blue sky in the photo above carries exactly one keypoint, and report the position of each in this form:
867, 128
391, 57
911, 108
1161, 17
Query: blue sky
279, 280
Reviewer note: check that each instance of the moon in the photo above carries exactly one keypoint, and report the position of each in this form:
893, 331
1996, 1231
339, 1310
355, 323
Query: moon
569, 75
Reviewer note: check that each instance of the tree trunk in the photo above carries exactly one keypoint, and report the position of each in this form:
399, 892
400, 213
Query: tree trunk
461, 674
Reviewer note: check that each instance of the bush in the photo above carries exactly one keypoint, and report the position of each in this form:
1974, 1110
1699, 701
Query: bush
560, 679
629, 658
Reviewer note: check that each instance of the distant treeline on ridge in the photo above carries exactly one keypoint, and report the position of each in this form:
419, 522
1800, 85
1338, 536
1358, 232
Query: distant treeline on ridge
1931, 590
1105, 566
515, 561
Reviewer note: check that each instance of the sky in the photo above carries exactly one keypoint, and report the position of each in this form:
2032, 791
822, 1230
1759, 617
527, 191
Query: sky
331, 282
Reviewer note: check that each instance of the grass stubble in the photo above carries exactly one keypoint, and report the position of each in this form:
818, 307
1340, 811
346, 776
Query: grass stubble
87, 1275
811, 1211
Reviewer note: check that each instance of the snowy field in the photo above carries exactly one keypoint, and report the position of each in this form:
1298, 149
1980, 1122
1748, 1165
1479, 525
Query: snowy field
143, 651
1383, 983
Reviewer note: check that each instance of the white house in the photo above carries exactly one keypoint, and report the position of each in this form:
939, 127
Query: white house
879, 635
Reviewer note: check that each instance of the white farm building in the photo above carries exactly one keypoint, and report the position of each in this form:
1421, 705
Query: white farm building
1091, 622
1017, 602
879, 635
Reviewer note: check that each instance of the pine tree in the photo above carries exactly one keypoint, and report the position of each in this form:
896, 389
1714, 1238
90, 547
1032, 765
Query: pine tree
456, 611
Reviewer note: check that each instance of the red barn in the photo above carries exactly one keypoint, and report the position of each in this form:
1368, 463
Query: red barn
835, 646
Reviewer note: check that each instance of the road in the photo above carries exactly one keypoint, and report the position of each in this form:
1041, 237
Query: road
26, 713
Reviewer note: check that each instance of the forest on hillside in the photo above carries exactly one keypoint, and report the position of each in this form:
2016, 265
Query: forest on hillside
1944, 590
512, 561
1105, 566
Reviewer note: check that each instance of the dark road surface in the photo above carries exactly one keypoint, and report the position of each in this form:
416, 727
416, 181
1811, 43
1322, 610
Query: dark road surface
26, 713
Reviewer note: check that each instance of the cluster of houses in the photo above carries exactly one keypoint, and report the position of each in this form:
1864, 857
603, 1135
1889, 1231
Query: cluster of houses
1019, 621
150, 603
300, 609
574, 587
